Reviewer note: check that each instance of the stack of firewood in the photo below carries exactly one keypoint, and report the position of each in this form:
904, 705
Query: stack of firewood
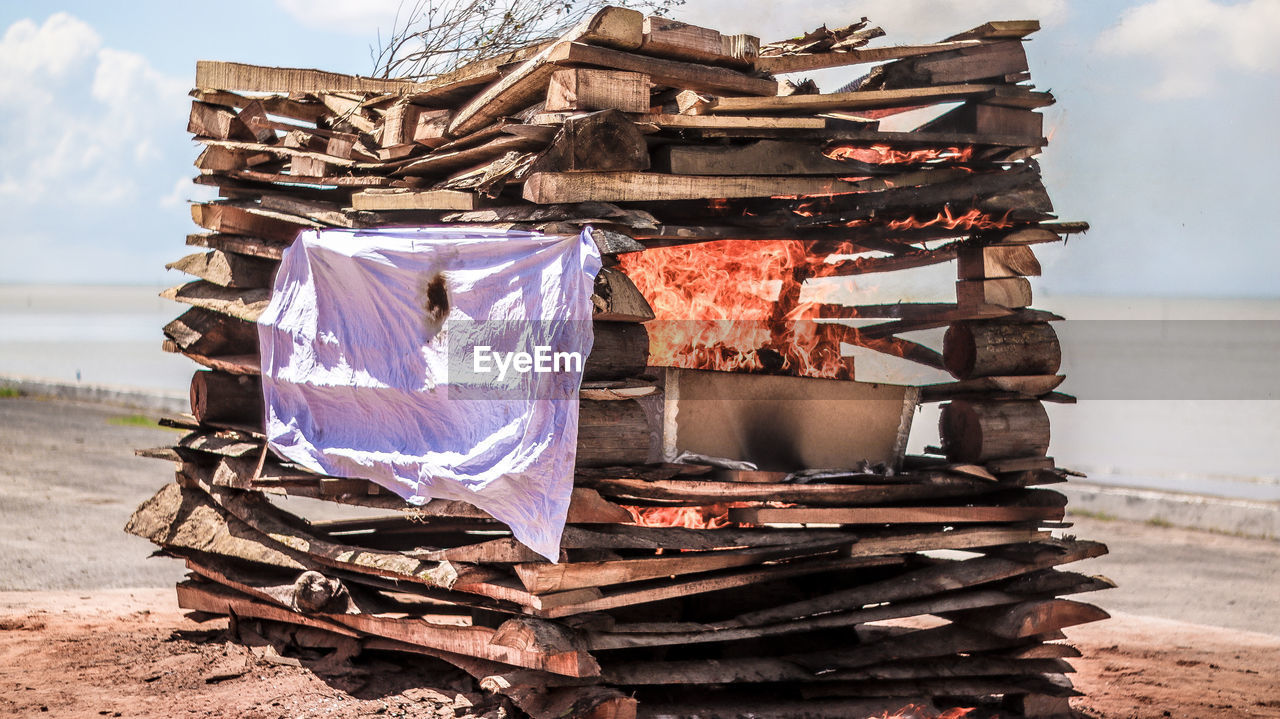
856, 586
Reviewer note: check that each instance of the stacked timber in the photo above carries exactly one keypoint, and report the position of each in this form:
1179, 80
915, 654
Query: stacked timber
914, 586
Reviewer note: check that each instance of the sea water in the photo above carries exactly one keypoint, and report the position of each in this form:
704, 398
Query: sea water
1179, 394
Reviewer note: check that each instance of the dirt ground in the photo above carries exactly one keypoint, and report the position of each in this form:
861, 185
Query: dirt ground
1195, 631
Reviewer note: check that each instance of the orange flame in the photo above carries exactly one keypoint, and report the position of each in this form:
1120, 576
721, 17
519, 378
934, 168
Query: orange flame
734, 305
715, 516
916, 711
886, 155
974, 219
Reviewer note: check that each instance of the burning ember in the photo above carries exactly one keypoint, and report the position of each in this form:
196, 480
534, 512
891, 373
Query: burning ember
734, 305
885, 155
714, 516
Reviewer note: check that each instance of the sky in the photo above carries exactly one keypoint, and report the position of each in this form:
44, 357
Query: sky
1163, 137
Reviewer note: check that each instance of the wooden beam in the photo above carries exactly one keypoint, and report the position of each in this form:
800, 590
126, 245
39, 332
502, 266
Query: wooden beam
214, 75
783, 64
227, 269
876, 99
587, 89
893, 515
665, 73
1012, 292
402, 199
548, 187
523, 86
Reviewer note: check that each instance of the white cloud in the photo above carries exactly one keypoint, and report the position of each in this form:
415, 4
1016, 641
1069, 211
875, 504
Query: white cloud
364, 18
1194, 42
904, 21
78, 119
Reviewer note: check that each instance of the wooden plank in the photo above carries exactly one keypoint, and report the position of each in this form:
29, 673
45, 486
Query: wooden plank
893, 515
240, 244
402, 199
1026, 386
242, 304
545, 578
227, 269
550, 187
979, 262
214, 75
665, 73
816, 494
229, 219
998, 29
701, 585
559, 657
870, 99
599, 141
665, 37
942, 577
523, 86
1012, 292
783, 64
444, 161
586, 89
1032, 618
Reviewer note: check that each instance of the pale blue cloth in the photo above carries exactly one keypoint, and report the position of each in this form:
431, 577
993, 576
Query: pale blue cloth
365, 376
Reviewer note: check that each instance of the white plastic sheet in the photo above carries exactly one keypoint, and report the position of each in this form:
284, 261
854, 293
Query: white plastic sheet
369, 365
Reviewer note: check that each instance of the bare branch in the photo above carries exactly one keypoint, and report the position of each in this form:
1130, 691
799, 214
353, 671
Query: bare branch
432, 37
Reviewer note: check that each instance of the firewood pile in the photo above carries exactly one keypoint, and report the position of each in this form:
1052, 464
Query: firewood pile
833, 575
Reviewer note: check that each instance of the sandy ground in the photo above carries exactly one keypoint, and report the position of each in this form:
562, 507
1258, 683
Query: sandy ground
1195, 633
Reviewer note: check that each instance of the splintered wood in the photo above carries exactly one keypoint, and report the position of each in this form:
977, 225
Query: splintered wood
807, 584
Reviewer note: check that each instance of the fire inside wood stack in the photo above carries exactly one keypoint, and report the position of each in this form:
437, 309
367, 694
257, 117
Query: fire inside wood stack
838, 578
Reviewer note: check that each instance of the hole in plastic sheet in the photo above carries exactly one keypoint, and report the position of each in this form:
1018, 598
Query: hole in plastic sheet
435, 303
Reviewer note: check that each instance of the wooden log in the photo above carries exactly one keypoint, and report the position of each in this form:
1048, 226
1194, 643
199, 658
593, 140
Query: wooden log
992, 348
1010, 292
601, 141
227, 269
766, 157
620, 350
221, 397
975, 431
980, 262
586, 89
203, 332
612, 433
617, 299
523, 86
552, 187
